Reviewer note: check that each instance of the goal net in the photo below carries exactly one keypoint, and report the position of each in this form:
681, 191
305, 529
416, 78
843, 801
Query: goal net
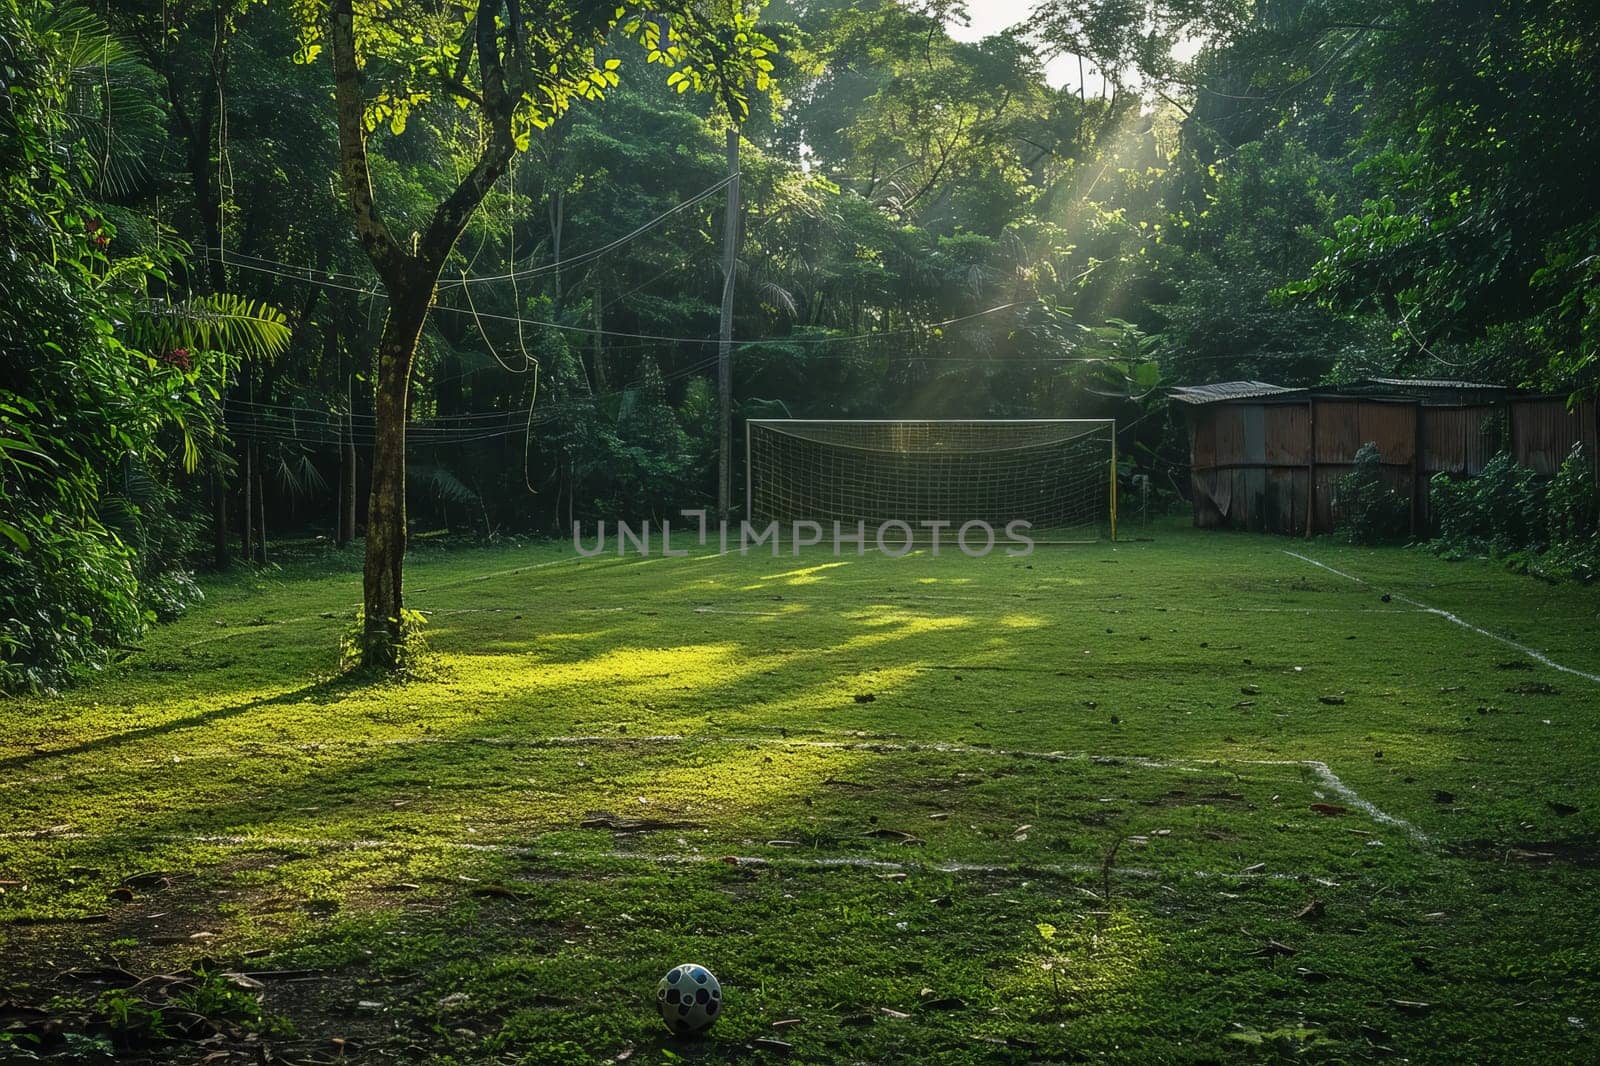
1057, 474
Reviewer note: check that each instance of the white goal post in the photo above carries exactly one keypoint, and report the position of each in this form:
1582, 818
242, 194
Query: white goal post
1058, 474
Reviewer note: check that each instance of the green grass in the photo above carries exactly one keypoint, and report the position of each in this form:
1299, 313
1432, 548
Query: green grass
1116, 742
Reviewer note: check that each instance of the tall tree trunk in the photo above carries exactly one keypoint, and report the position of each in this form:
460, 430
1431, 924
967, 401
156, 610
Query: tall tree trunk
557, 218
219, 514
198, 132
386, 502
730, 256
599, 340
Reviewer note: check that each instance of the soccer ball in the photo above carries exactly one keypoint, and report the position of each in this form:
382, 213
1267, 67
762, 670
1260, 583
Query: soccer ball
689, 999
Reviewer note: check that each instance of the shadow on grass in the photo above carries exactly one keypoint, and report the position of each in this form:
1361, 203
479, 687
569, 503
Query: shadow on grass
328, 690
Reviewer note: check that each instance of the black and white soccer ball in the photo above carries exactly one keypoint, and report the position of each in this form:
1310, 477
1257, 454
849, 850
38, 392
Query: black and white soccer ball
689, 999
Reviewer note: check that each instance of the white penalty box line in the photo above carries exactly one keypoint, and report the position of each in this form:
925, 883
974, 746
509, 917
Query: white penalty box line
1321, 771
268, 841
1532, 653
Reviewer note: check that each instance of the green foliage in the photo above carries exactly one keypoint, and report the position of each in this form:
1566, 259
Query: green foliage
1501, 510
108, 377
1479, 121
212, 995
68, 600
1367, 507
131, 1018
411, 655
416, 55
1548, 526
1573, 499
146, 512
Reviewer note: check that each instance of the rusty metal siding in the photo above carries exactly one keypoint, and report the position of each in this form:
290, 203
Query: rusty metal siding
1251, 460
1228, 424
1543, 431
1255, 462
1257, 514
1286, 500
1457, 440
1288, 432
1203, 443
1338, 431
1203, 468
1392, 427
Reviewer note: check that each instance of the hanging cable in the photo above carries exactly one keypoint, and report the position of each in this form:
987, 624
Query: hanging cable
604, 249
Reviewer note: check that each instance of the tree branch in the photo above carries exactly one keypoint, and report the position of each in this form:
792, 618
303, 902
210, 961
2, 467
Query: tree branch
497, 108
386, 255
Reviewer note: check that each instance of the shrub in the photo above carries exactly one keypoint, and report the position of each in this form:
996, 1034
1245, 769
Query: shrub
1573, 520
1501, 510
1573, 502
412, 656
1545, 525
148, 514
68, 600
1370, 510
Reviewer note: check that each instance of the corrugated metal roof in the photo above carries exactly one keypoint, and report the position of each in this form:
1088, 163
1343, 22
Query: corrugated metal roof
1229, 390
1425, 390
1429, 383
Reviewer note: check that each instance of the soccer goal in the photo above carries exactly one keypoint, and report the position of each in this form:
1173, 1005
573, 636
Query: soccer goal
1057, 474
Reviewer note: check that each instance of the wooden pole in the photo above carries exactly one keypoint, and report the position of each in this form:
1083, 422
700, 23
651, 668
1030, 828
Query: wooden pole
261, 512
730, 249
248, 539
219, 513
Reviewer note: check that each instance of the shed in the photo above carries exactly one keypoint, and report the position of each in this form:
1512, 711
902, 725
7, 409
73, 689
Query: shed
1269, 457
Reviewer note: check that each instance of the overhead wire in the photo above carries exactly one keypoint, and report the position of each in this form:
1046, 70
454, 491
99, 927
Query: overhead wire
594, 253
286, 423
660, 338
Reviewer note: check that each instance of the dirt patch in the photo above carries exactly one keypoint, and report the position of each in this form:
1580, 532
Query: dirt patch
1179, 797
156, 981
1578, 854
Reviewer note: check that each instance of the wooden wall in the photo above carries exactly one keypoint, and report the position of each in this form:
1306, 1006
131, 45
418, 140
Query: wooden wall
1262, 466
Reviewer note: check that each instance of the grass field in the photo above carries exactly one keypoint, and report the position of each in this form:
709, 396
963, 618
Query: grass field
1183, 800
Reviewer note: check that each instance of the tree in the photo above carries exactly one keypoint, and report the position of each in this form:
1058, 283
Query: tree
513, 76
1483, 229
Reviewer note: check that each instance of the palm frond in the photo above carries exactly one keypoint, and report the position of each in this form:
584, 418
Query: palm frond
445, 485
297, 474
113, 114
779, 297
221, 322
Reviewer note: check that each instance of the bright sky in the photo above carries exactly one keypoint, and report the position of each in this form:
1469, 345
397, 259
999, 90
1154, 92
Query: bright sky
989, 17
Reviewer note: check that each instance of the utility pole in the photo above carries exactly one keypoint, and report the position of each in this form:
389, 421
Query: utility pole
730, 249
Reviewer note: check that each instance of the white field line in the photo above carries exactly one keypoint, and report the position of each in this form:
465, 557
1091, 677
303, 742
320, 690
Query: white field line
1323, 772
691, 858
1532, 653
1333, 784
